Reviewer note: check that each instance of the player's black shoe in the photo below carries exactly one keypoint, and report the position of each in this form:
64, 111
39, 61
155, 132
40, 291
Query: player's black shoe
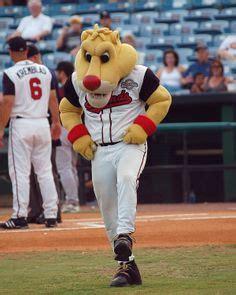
50, 222
126, 275
41, 219
15, 223
123, 247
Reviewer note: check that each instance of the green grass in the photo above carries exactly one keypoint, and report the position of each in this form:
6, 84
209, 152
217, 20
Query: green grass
198, 270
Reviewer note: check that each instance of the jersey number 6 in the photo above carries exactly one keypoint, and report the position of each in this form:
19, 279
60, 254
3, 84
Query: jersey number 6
35, 89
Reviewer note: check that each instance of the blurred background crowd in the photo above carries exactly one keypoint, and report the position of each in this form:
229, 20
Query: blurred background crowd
190, 45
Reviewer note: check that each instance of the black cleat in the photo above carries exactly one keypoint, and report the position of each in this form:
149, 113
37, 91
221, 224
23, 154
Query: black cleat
50, 222
123, 247
41, 219
127, 274
15, 223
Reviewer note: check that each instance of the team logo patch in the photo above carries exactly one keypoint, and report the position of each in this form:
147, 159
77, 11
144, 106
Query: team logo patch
129, 84
116, 100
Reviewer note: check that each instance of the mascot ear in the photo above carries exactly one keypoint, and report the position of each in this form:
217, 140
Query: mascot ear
115, 37
84, 36
129, 57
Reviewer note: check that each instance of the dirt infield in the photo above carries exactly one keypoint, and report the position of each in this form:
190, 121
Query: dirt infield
157, 226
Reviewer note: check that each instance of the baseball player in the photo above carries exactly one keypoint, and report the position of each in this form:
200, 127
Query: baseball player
35, 214
104, 112
66, 157
27, 95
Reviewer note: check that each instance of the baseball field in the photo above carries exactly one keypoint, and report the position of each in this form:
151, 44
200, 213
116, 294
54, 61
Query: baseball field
180, 249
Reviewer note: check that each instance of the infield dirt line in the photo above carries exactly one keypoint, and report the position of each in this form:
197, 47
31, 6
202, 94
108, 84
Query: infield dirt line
78, 224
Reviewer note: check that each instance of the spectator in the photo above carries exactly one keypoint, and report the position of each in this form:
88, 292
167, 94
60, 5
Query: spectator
130, 39
170, 74
66, 157
202, 65
36, 26
105, 19
227, 49
69, 40
198, 83
216, 82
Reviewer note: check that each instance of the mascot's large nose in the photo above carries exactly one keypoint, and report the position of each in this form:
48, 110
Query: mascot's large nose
91, 82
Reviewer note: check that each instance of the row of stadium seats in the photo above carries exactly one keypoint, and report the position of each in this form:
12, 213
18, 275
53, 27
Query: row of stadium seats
221, 19
71, 7
152, 58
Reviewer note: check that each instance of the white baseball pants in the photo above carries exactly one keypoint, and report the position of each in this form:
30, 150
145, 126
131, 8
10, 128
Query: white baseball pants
115, 171
30, 142
66, 160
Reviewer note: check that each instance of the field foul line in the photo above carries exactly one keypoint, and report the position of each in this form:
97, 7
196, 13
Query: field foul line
99, 224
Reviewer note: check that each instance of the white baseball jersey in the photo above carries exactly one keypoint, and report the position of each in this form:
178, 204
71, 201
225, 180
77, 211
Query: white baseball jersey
107, 125
30, 83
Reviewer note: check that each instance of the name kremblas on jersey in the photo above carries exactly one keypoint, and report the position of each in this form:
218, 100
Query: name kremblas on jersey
30, 70
116, 100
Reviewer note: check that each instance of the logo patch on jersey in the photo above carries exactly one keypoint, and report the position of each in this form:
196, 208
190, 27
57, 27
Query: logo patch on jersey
116, 100
129, 84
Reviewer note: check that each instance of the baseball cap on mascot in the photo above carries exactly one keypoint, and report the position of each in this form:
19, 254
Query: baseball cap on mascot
101, 63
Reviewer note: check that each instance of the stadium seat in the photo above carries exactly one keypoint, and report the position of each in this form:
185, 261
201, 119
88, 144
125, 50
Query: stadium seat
213, 27
173, 4
66, 9
185, 54
165, 42
218, 39
152, 57
90, 18
183, 28
176, 15
154, 30
60, 21
124, 29
146, 17
145, 6
192, 40
227, 14
118, 6
46, 46
204, 3
13, 11
6, 22
228, 3
55, 34
86, 8
120, 18
5, 61
233, 27
52, 59
142, 42
211, 12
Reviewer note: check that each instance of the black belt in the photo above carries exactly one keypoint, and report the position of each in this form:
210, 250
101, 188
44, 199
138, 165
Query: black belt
19, 117
108, 143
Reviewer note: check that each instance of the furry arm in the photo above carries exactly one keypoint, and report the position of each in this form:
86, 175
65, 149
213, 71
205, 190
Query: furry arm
145, 125
78, 133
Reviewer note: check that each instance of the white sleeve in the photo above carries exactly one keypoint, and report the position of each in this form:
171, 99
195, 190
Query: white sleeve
224, 45
22, 25
47, 24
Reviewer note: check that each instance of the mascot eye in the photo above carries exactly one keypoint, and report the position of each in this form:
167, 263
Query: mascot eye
105, 57
88, 56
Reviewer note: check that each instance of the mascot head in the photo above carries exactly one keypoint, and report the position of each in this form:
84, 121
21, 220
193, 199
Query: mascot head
101, 63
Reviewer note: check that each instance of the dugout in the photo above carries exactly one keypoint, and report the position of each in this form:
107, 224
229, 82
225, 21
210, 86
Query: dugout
211, 154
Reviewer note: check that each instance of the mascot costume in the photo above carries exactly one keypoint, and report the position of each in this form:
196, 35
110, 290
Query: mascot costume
104, 113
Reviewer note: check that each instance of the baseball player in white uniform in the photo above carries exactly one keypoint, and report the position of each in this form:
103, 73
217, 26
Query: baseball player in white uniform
66, 157
27, 95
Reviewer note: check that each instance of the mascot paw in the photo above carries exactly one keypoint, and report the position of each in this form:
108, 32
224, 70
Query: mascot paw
135, 135
85, 146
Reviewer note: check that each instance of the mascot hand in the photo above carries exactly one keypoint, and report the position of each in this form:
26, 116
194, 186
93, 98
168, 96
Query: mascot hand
135, 134
85, 146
